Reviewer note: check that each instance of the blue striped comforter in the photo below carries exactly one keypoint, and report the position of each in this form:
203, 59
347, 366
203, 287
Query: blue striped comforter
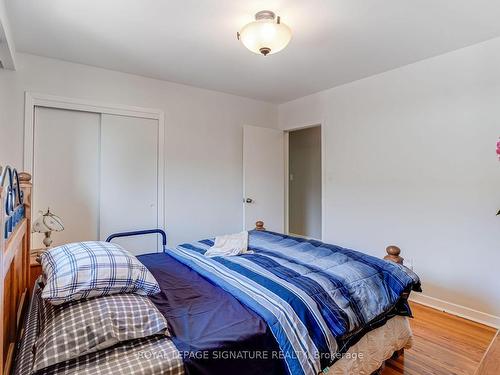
313, 296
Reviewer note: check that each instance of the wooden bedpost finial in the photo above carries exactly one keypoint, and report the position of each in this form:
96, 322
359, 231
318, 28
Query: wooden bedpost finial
26, 185
393, 254
259, 225
24, 178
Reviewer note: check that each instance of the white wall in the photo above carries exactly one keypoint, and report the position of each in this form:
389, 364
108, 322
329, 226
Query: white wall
304, 187
203, 135
410, 160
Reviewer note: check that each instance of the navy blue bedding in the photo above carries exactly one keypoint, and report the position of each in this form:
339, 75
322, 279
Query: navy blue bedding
209, 324
316, 298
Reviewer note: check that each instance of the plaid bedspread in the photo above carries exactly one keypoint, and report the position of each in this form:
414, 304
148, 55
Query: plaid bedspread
312, 295
149, 356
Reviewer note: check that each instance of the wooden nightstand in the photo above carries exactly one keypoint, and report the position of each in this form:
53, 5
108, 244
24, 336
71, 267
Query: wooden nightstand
35, 271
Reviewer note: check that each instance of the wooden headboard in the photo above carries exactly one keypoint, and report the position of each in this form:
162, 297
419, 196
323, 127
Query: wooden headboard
15, 224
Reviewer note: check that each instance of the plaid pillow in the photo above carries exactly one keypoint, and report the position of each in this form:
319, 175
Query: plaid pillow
91, 269
86, 326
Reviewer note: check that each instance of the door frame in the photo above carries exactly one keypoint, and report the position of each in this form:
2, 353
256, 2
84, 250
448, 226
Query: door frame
287, 177
34, 99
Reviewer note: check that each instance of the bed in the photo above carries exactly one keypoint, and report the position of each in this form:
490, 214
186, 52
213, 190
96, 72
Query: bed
218, 310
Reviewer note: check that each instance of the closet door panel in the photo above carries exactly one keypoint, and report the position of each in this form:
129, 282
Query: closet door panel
129, 179
66, 172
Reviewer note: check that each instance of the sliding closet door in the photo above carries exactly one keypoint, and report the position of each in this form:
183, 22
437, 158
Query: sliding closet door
129, 179
66, 172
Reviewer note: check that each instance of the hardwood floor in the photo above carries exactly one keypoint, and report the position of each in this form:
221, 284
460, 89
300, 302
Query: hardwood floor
443, 344
490, 364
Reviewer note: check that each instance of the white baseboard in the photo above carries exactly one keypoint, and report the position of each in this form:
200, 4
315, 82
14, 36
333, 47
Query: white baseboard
454, 309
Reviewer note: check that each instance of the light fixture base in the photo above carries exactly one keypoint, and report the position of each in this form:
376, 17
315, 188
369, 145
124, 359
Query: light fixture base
265, 15
265, 50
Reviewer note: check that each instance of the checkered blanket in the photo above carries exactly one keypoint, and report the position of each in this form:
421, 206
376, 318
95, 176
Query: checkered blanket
148, 356
85, 326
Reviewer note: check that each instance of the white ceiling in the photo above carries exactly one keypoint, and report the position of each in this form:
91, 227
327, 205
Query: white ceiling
194, 41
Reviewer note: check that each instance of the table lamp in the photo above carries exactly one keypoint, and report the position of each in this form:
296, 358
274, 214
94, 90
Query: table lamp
47, 223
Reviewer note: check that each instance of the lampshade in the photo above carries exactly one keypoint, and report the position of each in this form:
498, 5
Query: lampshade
266, 35
48, 222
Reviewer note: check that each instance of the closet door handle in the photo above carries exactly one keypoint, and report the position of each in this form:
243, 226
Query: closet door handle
248, 200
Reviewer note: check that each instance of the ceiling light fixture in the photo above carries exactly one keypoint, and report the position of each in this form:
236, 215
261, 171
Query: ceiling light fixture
266, 35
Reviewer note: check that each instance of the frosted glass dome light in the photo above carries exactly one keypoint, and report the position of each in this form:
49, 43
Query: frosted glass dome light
266, 35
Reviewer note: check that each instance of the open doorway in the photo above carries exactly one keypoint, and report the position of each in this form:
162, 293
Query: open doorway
305, 182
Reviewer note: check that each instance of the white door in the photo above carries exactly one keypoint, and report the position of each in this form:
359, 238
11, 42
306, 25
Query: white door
263, 177
66, 172
129, 180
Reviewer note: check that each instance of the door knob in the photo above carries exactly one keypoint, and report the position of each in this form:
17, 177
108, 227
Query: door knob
248, 200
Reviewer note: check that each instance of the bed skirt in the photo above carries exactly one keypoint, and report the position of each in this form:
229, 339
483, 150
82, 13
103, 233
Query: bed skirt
370, 352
